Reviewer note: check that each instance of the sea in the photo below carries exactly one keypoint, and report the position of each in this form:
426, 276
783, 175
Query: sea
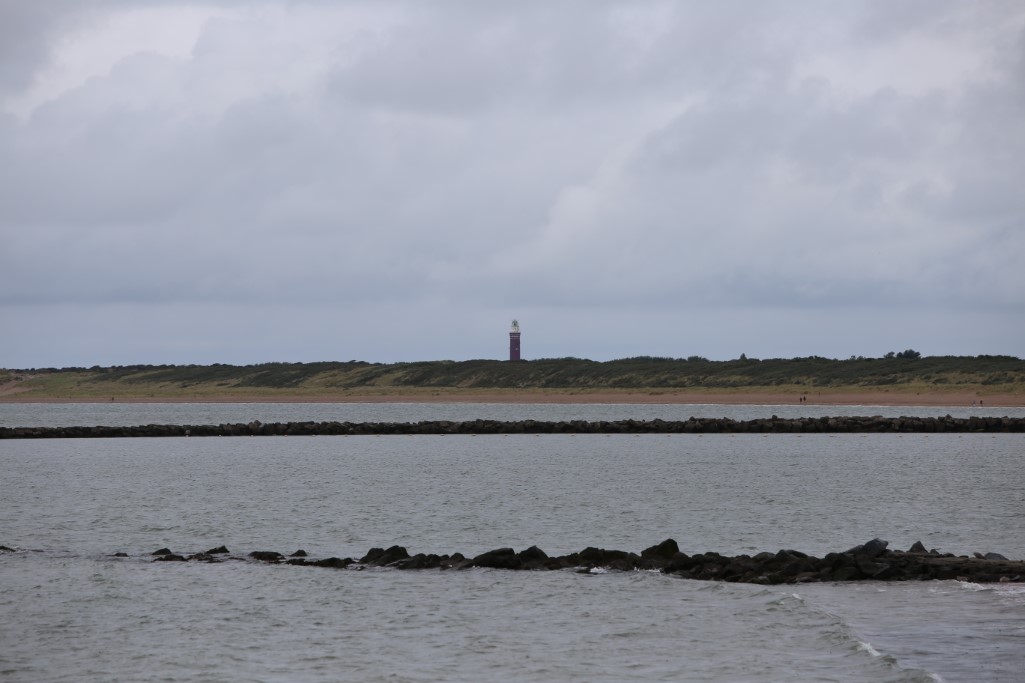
70, 610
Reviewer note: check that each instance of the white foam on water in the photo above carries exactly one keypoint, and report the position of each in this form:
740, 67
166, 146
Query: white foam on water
867, 647
1009, 588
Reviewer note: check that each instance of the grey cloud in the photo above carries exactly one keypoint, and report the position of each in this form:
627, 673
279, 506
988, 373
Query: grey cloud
26, 29
559, 160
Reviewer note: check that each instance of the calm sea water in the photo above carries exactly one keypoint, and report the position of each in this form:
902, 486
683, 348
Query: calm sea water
128, 414
71, 612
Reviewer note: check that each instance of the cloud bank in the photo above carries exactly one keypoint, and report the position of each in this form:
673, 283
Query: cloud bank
245, 182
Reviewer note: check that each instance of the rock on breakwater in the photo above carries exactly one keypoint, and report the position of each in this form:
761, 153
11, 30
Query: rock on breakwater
777, 425
872, 561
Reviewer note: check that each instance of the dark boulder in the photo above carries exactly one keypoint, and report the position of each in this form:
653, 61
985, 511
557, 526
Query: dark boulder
867, 566
371, 555
169, 557
219, 550
333, 562
846, 573
500, 558
918, 549
203, 557
419, 561
680, 562
663, 551
454, 561
624, 561
868, 561
597, 557
797, 566
533, 558
873, 548
380, 557
298, 553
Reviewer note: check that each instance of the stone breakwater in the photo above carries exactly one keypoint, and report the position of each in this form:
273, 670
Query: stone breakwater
777, 425
872, 561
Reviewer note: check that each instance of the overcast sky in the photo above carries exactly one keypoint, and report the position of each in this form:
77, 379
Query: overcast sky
242, 182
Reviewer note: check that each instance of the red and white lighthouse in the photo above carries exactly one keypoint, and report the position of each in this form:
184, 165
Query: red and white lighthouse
514, 341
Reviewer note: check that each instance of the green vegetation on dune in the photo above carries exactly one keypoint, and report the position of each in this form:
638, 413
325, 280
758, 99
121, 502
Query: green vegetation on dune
899, 371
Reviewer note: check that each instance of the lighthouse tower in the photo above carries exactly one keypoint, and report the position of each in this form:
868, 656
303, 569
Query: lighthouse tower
514, 341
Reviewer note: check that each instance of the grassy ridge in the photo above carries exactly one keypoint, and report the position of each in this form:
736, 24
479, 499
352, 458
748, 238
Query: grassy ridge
1001, 373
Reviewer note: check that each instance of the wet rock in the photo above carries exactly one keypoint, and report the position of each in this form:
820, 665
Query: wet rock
867, 566
115, 554
380, 557
219, 550
204, 557
887, 572
500, 558
917, 548
6, 549
795, 567
791, 553
664, 550
162, 551
625, 562
170, 557
333, 562
868, 561
533, 558
299, 553
600, 557
843, 424
873, 548
680, 562
419, 561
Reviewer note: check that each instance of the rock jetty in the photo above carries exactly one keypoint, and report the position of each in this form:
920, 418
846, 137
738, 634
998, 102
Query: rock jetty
694, 425
872, 561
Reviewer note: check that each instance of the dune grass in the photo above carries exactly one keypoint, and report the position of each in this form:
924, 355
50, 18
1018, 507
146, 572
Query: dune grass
565, 376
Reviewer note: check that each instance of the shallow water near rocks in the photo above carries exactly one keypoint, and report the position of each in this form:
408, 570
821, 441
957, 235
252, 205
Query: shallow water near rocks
70, 611
128, 414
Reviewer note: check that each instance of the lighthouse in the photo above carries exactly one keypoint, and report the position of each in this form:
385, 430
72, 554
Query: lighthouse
514, 341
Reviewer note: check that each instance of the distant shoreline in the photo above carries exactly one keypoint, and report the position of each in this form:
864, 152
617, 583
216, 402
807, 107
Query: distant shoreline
555, 396
932, 381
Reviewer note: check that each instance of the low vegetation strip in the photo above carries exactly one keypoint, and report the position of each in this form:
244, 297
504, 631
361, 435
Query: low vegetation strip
896, 371
805, 425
